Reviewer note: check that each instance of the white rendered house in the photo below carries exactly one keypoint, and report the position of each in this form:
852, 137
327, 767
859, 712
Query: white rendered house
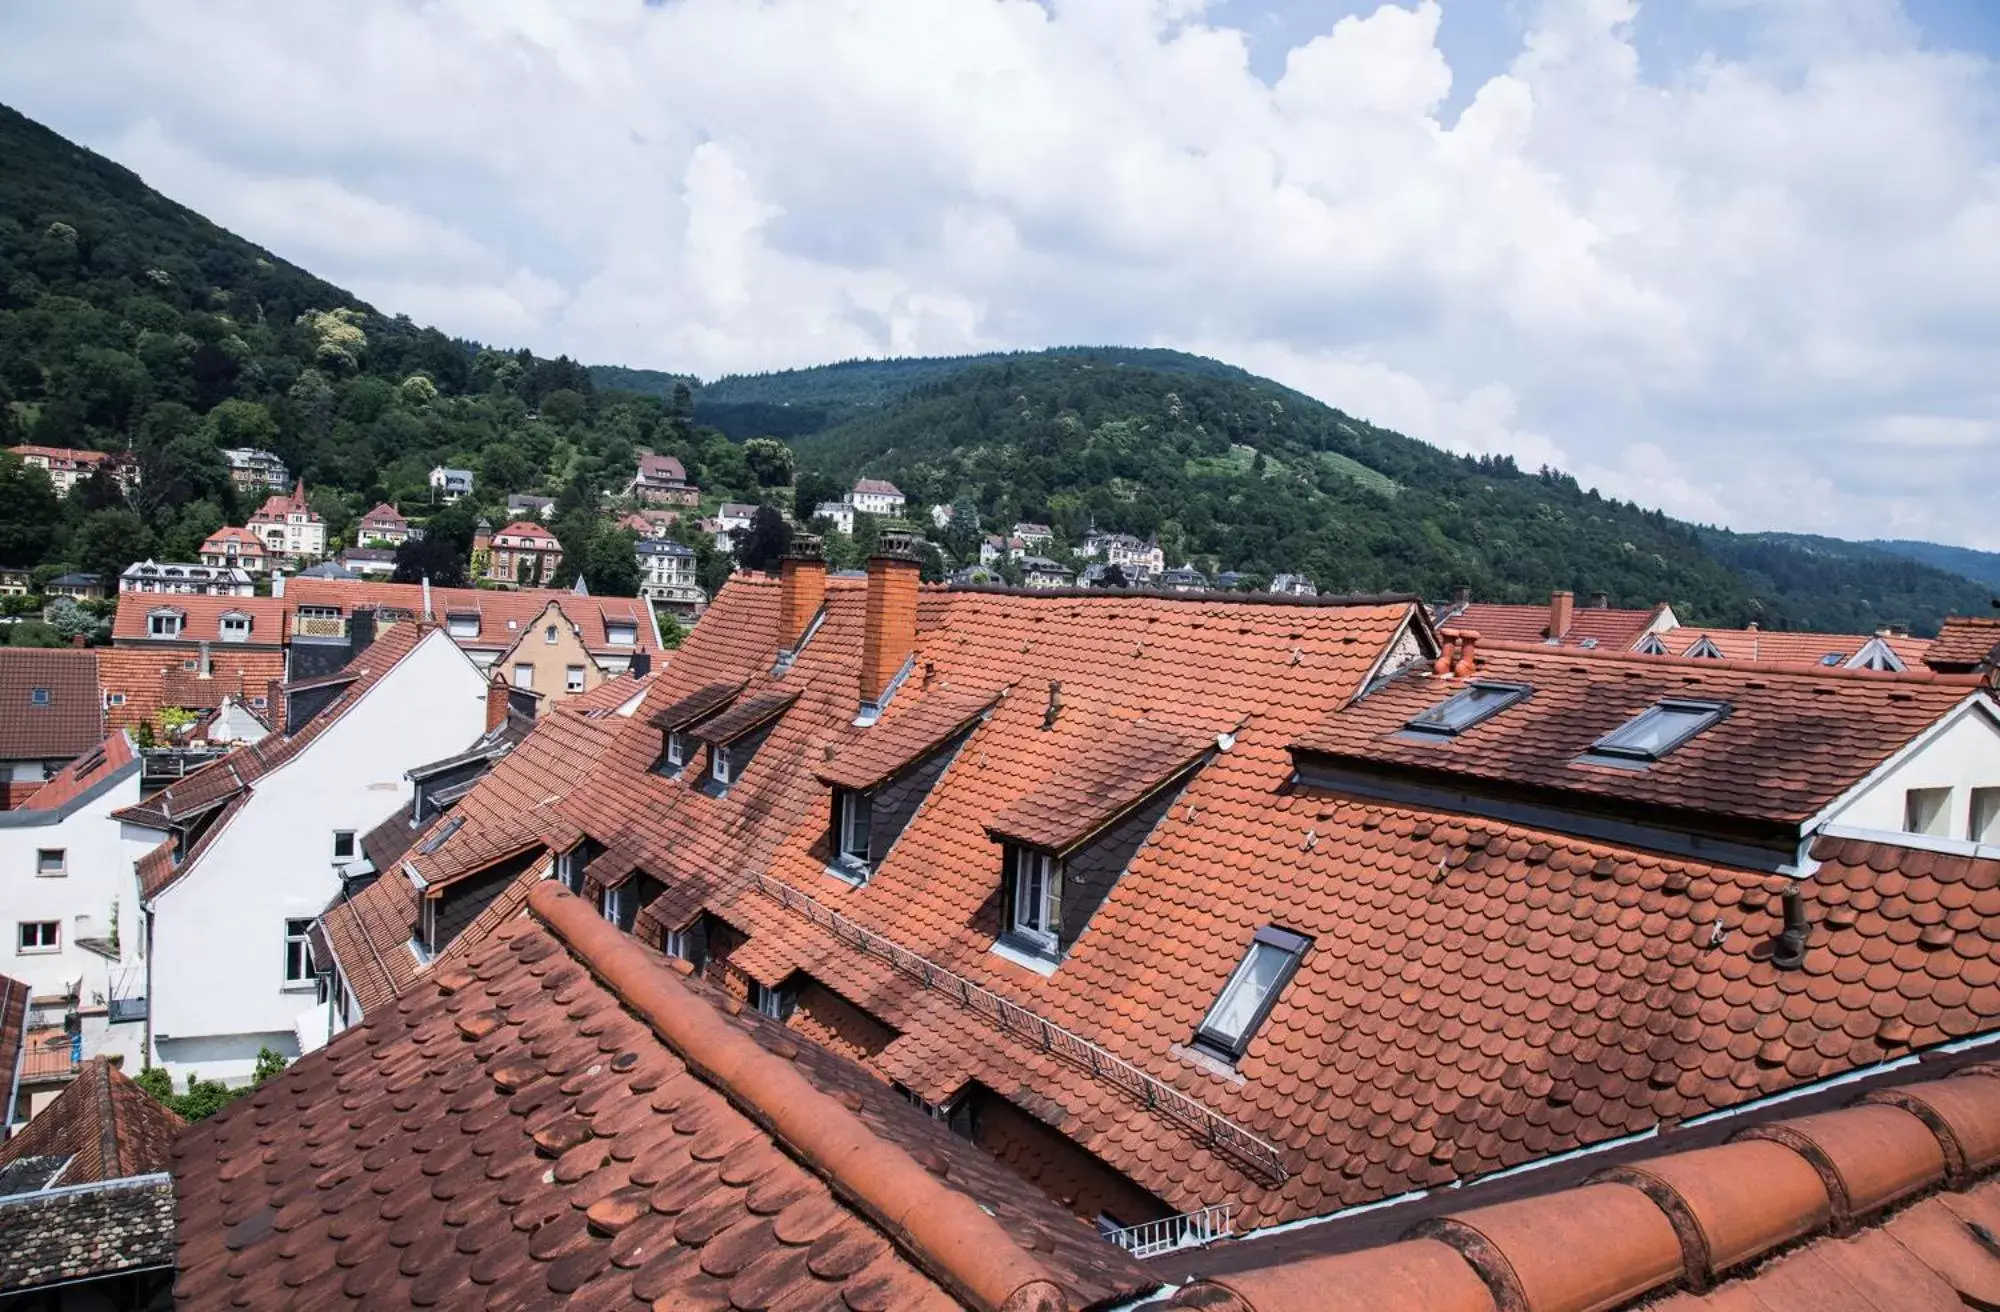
262, 838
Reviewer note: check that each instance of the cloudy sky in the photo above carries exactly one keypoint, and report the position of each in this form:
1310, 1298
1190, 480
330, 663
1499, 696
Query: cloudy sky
1736, 258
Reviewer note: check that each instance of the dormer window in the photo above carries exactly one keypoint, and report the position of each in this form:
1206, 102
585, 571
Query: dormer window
1705, 649
235, 627
734, 736
621, 635
677, 749
164, 624
852, 816
1034, 900
1655, 732
1251, 992
462, 625
719, 767
1473, 704
676, 722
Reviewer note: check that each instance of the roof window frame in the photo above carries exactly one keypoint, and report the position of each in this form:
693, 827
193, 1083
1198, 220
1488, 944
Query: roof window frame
1291, 948
1430, 724
1608, 750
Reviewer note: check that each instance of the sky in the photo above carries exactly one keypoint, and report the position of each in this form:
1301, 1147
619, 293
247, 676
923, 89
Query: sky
1737, 259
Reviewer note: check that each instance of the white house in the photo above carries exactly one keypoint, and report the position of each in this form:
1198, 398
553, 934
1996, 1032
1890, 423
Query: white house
450, 484
66, 878
187, 580
262, 838
732, 518
876, 496
840, 514
667, 576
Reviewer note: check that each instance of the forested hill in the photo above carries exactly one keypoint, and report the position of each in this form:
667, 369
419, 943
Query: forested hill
1241, 473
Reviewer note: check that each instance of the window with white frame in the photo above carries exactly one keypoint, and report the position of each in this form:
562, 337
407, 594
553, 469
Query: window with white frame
1251, 991
719, 768
855, 814
677, 749
777, 1003
235, 628
1927, 811
462, 626
524, 675
51, 862
38, 936
298, 956
163, 624
573, 678
549, 634
1034, 913
621, 635
343, 844
1985, 816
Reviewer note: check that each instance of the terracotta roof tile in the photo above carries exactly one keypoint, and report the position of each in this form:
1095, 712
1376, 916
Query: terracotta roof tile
83, 774
143, 679
916, 725
1117, 767
50, 705
607, 697
1790, 742
1789, 647
750, 713
1598, 627
106, 1125
504, 614
270, 617
1964, 643
1724, 1223
690, 709
560, 1117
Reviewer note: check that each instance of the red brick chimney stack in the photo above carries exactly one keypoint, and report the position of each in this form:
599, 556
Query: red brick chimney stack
889, 630
1562, 608
496, 701
802, 589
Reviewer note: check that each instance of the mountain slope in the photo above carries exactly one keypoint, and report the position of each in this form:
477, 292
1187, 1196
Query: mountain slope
1244, 474
1982, 567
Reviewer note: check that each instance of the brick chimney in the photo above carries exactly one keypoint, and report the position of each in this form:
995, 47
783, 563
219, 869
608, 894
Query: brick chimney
496, 701
1562, 607
889, 628
802, 588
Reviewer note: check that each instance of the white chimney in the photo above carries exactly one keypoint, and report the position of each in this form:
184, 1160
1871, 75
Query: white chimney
427, 599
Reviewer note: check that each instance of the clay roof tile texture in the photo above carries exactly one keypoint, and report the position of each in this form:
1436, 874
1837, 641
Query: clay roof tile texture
1119, 767
1964, 643
917, 725
107, 1126
1747, 1225
560, 1118
50, 706
1788, 743
751, 713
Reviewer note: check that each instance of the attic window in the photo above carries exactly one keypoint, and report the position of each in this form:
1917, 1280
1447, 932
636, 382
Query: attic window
1472, 705
719, 767
235, 627
853, 814
1703, 649
38, 697
462, 625
1251, 992
163, 624
1034, 900
1830, 659
1656, 731
620, 634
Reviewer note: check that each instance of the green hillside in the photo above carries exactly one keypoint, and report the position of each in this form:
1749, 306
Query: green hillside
1982, 567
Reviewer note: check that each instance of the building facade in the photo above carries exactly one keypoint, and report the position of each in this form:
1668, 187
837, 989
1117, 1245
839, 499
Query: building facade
202, 580
236, 548
448, 485
876, 496
522, 554
68, 466
384, 526
661, 480
290, 528
256, 471
667, 576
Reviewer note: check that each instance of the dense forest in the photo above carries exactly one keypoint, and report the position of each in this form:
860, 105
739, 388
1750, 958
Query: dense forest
130, 323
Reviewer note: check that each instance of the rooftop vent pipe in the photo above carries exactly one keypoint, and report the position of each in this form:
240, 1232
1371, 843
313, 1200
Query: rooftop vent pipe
1790, 953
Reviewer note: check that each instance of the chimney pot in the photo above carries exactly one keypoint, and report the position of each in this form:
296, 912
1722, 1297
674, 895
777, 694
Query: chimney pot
642, 663
1790, 952
496, 701
1562, 608
1447, 653
1468, 640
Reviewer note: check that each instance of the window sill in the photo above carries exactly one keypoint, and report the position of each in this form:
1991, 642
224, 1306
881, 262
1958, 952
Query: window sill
1208, 1061
1024, 957
852, 876
37, 952
300, 986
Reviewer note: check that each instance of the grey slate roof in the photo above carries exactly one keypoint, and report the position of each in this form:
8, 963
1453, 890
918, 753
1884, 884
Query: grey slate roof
91, 1230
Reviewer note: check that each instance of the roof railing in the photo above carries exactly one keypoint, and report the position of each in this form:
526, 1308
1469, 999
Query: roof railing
1151, 1093
1169, 1233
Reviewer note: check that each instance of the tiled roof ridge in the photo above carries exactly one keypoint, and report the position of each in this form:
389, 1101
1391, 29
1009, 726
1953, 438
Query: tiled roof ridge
1325, 600
1688, 1220
954, 1239
1758, 669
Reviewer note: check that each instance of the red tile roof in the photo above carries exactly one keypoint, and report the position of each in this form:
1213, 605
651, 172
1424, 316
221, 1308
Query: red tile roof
561, 1118
72, 721
1776, 647
1792, 741
877, 487
269, 619
665, 468
107, 1126
908, 733
1105, 780
384, 515
247, 543
504, 614
234, 777
607, 697
1810, 1214
529, 531
13, 1037
1964, 643
506, 811
151, 677
1601, 628
83, 774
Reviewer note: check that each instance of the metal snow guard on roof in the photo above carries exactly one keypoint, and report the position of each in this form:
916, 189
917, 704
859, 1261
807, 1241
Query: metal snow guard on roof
1154, 1094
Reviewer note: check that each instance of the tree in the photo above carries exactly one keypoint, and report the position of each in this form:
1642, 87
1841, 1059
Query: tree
769, 460
611, 563
30, 514
961, 534
765, 544
109, 540
68, 620
672, 632
809, 491
1113, 577
434, 556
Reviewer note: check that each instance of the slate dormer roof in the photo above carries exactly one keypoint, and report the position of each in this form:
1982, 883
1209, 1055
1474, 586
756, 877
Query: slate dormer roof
1115, 772
636, 1142
746, 716
695, 706
915, 726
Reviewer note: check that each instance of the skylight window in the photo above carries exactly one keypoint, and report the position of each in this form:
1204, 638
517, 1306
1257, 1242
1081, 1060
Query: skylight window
1658, 730
1251, 992
1471, 705
1831, 658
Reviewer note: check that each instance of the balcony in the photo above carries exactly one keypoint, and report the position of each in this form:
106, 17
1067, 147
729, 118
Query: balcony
50, 1054
125, 998
319, 626
160, 766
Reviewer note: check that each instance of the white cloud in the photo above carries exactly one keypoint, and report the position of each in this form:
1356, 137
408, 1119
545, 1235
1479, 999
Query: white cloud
1763, 290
